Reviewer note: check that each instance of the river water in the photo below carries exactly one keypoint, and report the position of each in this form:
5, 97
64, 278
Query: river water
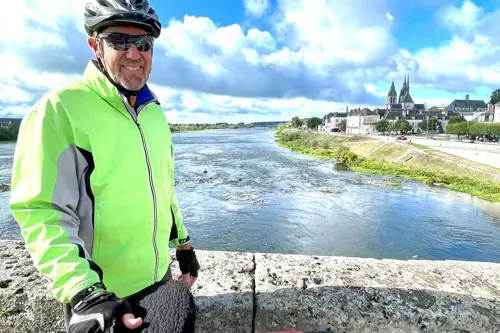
257, 196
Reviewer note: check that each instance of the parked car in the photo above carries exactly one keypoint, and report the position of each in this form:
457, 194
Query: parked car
401, 137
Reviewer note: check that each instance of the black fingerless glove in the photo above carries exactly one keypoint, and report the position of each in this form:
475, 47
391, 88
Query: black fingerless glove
95, 311
188, 262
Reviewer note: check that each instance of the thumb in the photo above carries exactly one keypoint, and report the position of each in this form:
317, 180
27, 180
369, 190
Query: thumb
130, 321
187, 279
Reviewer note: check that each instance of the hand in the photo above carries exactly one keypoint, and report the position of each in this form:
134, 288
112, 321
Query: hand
99, 312
189, 266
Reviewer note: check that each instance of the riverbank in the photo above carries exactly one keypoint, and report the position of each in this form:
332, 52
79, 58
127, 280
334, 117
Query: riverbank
263, 292
174, 128
407, 160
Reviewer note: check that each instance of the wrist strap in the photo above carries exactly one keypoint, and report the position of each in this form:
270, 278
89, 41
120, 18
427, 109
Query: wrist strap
85, 293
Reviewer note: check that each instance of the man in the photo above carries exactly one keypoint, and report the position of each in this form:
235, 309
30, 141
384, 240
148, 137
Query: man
92, 182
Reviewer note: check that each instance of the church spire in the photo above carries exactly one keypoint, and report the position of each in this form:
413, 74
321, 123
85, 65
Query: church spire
392, 91
392, 95
408, 84
402, 92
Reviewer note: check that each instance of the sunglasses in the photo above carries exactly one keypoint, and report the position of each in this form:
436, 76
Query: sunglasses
122, 42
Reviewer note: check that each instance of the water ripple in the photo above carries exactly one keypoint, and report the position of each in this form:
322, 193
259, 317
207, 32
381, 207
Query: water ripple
239, 191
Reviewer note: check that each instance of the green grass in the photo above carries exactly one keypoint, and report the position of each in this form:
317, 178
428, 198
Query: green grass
428, 166
416, 145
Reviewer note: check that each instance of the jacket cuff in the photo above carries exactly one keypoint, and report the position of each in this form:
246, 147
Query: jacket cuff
181, 240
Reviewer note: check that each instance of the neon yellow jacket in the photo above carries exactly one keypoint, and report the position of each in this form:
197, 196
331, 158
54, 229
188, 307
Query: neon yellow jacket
93, 188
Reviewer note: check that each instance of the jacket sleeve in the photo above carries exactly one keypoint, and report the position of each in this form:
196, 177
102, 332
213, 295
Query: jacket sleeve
178, 234
44, 196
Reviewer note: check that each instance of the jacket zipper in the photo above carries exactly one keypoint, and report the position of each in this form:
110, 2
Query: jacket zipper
150, 174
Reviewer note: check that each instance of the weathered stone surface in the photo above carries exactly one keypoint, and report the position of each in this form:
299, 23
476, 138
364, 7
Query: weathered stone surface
293, 292
26, 304
223, 293
367, 295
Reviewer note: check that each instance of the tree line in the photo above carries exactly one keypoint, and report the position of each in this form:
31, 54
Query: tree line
200, 127
474, 129
403, 126
10, 132
311, 123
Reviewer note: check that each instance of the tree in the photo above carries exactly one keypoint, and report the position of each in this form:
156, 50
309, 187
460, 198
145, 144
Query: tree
456, 119
434, 108
383, 126
296, 122
460, 128
429, 124
314, 122
495, 97
9, 133
402, 126
343, 125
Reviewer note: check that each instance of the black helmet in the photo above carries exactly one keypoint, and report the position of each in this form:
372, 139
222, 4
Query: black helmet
100, 14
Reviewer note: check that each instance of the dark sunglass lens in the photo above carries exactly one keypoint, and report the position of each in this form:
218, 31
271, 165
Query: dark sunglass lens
144, 44
122, 42
116, 41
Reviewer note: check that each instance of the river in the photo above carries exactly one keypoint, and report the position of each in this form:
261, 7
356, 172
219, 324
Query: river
257, 196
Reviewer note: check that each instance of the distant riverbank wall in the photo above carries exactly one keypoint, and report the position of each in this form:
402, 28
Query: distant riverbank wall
262, 292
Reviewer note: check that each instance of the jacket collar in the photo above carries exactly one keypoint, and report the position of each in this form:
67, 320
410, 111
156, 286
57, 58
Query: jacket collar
101, 85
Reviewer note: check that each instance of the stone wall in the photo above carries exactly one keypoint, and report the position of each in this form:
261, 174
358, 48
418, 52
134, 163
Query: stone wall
256, 292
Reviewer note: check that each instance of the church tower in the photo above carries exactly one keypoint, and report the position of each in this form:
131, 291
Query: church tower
406, 99
392, 96
402, 93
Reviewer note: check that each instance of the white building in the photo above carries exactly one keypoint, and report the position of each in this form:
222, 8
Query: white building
495, 110
331, 121
361, 121
470, 109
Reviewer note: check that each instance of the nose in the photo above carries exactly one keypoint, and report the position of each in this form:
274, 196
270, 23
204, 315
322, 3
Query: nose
133, 53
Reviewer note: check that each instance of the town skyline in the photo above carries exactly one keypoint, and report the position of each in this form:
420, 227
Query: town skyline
254, 60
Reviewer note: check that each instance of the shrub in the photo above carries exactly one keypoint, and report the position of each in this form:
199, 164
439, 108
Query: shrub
344, 155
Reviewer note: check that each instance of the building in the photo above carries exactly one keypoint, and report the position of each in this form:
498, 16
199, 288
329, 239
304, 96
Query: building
332, 121
416, 118
471, 110
304, 123
494, 109
404, 101
4, 122
361, 121
404, 108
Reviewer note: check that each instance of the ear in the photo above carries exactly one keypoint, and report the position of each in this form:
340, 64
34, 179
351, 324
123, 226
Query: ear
91, 41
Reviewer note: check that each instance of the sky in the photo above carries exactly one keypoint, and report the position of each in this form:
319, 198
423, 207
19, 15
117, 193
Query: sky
269, 60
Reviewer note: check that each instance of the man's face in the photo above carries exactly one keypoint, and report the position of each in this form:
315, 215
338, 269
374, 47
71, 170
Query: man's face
128, 68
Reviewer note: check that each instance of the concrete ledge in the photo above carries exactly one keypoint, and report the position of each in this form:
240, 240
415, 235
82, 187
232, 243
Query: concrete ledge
246, 292
368, 295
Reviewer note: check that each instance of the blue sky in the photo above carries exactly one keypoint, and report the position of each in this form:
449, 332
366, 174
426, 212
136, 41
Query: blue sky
252, 60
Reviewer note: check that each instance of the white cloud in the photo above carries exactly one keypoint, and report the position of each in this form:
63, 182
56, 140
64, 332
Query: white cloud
466, 17
315, 57
470, 57
256, 8
335, 33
